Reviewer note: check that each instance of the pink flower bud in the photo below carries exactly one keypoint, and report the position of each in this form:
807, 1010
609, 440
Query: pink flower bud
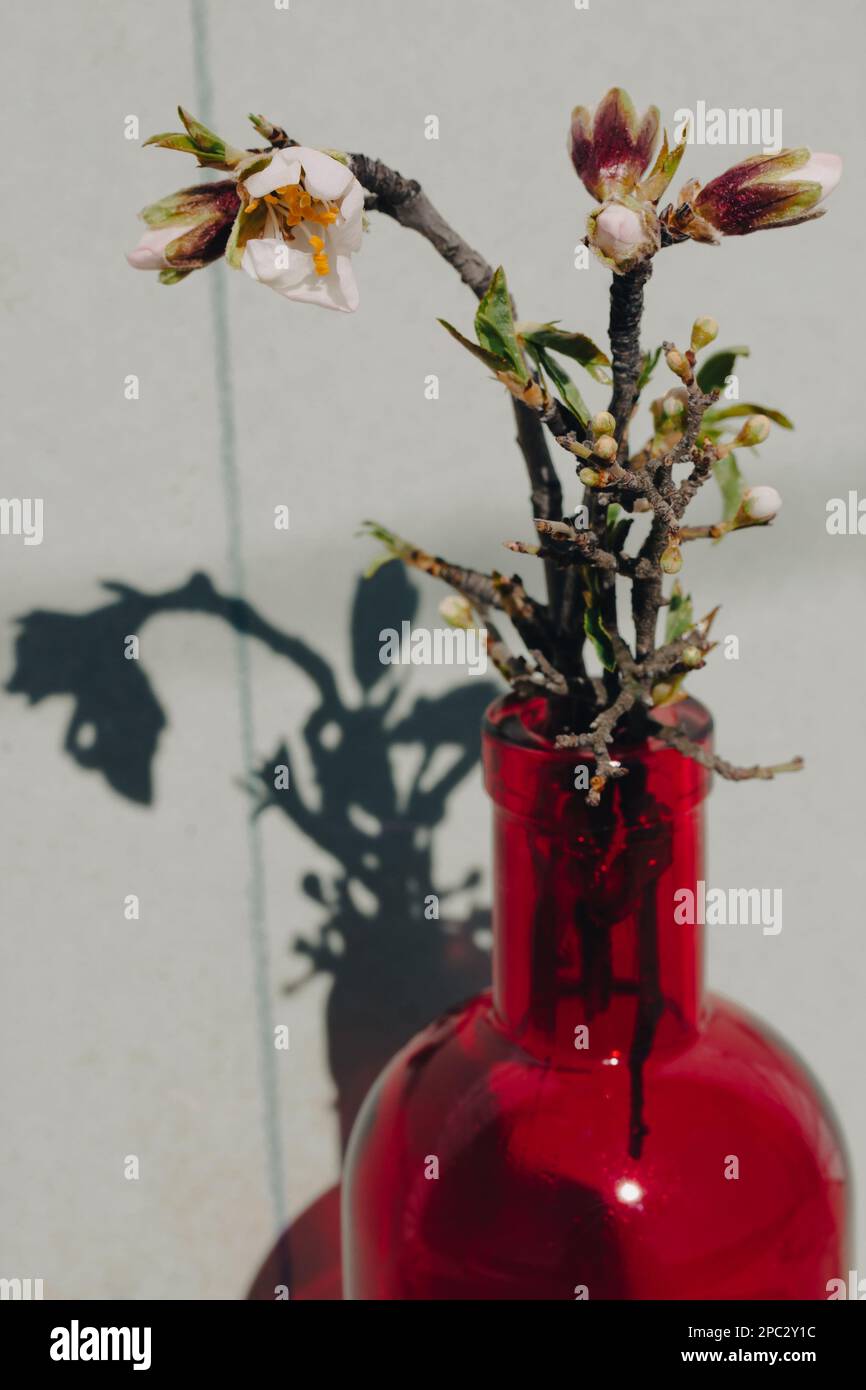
194, 223
611, 147
622, 233
618, 231
775, 190
149, 254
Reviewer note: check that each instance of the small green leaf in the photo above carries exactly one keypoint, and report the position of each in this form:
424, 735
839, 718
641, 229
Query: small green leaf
592, 623
648, 364
494, 361
731, 485
574, 345
598, 636
568, 392
749, 408
494, 325
717, 368
680, 618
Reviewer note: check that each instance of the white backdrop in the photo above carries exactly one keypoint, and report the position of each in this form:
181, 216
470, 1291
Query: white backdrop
152, 1037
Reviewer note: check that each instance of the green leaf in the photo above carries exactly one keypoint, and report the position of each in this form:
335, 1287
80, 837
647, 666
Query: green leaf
749, 408
568, 392
719, 366
496, 362
494, 325
680, 618
617, 526
731, 485
648, 364
599, 637
592, 623
574, 345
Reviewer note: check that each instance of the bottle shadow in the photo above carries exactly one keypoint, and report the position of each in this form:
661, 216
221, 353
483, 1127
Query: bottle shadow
384, 766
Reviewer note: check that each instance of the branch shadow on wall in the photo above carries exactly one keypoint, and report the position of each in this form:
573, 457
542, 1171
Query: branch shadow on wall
383, 771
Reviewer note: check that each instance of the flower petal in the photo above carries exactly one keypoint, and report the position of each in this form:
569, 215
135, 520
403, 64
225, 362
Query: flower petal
326, 178
825, 169
348, 284
348, 232
285, 167
290, 271
273, 262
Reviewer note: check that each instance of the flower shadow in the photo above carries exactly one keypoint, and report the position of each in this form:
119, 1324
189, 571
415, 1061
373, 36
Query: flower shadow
384, 767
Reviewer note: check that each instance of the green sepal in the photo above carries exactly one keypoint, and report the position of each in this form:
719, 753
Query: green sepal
246, 226
172, 277
210, 151
666, 165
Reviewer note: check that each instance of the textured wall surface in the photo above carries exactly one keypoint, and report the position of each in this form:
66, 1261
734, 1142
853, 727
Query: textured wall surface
152, 1037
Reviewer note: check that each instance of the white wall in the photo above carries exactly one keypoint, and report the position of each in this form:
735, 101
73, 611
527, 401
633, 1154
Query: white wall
150, 1037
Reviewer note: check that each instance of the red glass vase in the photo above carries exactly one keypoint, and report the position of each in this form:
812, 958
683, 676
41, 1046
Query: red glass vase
595, 1126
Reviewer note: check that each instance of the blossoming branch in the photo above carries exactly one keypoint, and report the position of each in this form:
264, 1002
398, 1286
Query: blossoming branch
292, 218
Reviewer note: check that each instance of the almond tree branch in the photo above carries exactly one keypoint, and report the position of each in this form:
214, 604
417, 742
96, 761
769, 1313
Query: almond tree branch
405, 201
626, 311
597, 738
530, 618
677, 739
546, 495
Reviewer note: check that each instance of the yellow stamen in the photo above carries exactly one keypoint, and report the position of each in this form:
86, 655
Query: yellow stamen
252, 205
293, 205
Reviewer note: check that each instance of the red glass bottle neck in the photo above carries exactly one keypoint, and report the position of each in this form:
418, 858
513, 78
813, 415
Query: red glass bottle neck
589, 964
